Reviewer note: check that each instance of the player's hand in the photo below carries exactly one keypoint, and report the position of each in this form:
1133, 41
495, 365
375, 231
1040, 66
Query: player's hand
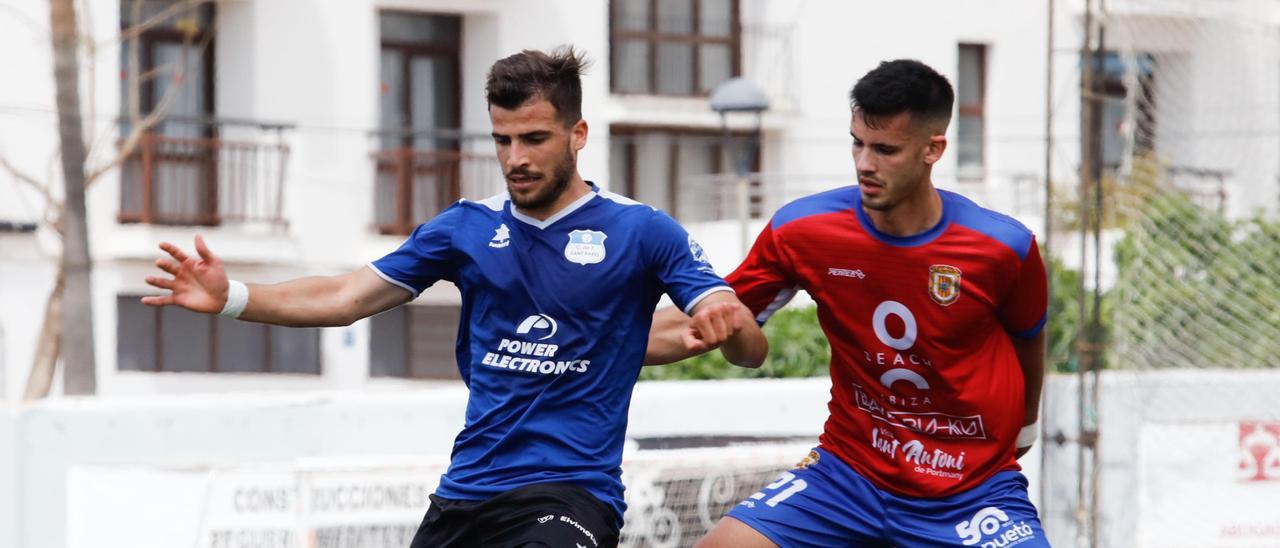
198, 283
712, 325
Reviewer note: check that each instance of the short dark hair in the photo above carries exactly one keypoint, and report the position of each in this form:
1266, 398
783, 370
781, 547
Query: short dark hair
903, 85
555, 76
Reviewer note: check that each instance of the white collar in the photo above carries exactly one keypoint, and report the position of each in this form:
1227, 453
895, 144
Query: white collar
559, 214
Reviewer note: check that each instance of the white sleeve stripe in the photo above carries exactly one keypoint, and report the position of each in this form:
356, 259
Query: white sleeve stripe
393, 281
688, 309
780, 301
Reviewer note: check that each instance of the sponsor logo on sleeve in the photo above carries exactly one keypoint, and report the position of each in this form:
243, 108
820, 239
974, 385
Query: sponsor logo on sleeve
696, 250
700, 256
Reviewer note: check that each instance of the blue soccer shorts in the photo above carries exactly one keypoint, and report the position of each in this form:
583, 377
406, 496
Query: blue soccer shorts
826, 503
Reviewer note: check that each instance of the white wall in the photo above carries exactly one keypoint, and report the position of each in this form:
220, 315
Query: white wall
27, 277
49, 438
41, 443
1131, 404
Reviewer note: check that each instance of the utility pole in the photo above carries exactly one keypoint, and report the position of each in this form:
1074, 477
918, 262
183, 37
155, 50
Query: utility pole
1047, 237
1088, 348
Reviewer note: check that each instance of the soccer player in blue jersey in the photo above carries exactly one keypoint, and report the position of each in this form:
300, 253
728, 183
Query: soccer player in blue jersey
559, 280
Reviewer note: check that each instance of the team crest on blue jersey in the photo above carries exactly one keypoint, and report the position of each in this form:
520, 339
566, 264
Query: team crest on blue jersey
944, 284
585, 247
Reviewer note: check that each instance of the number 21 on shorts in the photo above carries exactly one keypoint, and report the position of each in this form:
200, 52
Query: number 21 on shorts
787, 479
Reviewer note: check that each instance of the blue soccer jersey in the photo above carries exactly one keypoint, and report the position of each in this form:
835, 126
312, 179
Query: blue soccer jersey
555, 321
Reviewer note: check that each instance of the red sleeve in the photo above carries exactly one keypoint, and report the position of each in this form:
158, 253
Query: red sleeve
1025, 309
763, 281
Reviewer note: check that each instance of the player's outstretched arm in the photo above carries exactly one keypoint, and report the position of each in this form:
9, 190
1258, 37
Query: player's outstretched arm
200, 284
719, 321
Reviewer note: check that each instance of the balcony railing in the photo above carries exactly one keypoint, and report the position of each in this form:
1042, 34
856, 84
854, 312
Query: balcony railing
769, 60
413, 185
203, 181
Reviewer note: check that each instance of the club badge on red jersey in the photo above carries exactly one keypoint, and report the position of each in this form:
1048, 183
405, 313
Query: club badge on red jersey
944, 284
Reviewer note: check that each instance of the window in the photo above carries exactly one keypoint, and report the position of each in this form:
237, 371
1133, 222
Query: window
419, 165
420, 79
1115, 85
971, 88
172, 178
673, 47
686, 172
415, 341
175, 339
175, 50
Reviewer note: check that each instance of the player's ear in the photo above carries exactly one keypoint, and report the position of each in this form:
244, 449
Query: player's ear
933, 152
578, 135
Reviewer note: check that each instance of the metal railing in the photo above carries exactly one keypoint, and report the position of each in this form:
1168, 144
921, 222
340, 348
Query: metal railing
769, 60
205, 180
413, 185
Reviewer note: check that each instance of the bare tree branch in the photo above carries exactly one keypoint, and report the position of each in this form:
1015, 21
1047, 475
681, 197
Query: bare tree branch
52, 213
26, 179
48, 345
141, 27
140, 125
37, 27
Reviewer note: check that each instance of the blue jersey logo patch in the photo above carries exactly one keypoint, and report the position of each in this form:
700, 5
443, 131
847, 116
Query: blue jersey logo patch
585, 247
501, 237
536, 325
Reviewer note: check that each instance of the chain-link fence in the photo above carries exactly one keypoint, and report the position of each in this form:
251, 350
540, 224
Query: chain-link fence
1168, 217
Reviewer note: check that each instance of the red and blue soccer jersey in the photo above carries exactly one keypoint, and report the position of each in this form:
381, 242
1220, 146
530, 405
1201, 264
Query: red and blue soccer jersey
927, 391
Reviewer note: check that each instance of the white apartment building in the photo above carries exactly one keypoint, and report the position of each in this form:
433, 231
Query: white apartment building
309, 137
306, 137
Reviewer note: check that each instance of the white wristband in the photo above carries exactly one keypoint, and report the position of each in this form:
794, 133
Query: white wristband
238, 298
1028, 435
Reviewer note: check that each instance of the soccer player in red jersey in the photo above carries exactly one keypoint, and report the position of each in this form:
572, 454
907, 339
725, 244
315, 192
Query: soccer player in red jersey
934, 308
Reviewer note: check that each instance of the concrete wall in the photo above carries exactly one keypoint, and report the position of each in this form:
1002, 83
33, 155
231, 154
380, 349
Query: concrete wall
1134, 404
40, 444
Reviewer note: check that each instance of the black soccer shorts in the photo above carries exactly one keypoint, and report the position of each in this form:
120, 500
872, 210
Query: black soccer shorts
549, 515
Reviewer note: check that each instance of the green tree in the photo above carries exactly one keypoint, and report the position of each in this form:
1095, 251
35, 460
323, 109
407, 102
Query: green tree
1064, 318
1196, 289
